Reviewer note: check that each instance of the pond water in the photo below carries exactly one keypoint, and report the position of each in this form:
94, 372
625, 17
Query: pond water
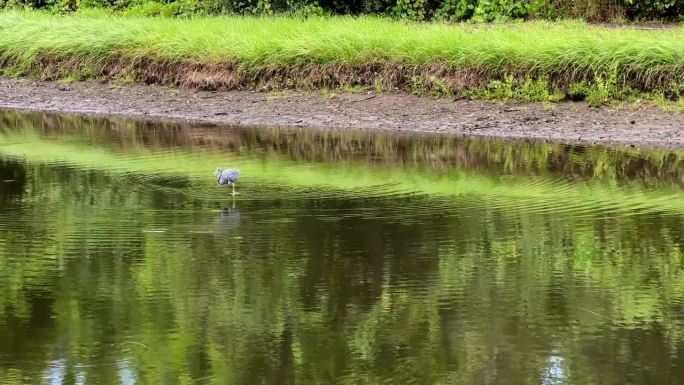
348, 258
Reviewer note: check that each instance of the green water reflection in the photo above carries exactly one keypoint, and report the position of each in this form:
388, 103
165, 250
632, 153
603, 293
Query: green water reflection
348, 258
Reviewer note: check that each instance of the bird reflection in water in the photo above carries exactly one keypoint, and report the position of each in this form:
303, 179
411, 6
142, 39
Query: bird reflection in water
229, 218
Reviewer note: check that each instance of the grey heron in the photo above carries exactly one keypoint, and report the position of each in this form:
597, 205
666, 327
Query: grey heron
229, 176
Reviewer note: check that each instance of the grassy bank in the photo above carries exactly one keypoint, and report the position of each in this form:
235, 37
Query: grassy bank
529, 62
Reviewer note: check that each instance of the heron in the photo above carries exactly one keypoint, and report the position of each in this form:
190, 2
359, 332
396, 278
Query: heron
229, 176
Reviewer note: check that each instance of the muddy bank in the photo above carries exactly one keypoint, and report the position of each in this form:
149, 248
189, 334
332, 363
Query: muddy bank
566, 122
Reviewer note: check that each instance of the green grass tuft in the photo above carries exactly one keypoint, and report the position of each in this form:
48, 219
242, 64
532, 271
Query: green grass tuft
537, 61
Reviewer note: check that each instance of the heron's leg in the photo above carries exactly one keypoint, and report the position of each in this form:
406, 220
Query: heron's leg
234, 192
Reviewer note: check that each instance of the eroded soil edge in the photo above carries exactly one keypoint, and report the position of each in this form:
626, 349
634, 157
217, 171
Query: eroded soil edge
565, 122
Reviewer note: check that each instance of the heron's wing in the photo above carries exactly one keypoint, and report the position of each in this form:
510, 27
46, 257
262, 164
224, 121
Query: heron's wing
223, 179
233, 174
229, 176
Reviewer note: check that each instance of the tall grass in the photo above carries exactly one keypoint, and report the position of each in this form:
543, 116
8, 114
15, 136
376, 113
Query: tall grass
232, 52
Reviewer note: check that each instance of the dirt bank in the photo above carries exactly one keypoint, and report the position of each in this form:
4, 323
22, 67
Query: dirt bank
565, 122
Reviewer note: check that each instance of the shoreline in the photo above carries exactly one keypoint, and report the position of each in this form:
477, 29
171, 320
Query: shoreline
564, 122
536, 61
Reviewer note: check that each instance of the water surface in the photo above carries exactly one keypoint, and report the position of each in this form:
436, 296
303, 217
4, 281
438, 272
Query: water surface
348, 258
